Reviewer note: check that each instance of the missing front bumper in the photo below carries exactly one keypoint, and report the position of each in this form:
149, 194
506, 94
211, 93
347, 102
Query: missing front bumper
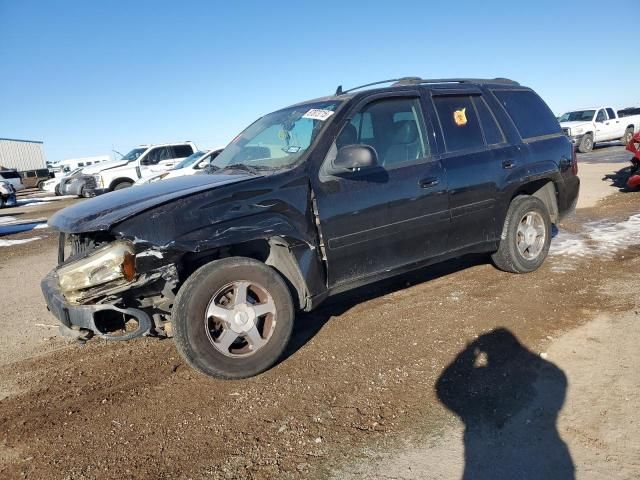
103, 320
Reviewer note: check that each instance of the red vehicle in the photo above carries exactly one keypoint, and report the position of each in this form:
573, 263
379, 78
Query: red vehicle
634, 147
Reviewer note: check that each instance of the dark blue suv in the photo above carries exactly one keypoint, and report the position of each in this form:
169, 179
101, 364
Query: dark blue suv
311, 200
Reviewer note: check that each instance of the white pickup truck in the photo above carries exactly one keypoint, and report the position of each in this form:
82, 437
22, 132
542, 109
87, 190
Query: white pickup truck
589, 126
117, 174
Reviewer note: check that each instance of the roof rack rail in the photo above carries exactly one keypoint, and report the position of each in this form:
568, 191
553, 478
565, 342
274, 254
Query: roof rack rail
421, 81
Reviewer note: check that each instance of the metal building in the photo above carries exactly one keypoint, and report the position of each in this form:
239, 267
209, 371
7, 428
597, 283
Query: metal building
22, 155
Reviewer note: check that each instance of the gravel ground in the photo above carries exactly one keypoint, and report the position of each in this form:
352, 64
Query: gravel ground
359, 379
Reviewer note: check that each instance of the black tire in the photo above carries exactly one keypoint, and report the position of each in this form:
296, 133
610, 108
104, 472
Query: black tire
628, 135
57, 190
508, 258
122, 185
189, 312
586, 143
2, 202
84, 193
40, 185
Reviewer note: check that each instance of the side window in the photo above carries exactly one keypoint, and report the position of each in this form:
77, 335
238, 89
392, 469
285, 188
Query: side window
459, 122
492, 133
153, 157
182, 151
393, 127
531, 116
601, 116
611, 113
80, 164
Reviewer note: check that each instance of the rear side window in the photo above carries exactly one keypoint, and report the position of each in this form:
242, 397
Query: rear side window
531, 116
492, 133
182, 151
459, 122
611, 113
9, 174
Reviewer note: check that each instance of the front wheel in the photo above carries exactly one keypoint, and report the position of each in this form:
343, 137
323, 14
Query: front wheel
586, 143
122, 185
626, 138
233, 318
526, 236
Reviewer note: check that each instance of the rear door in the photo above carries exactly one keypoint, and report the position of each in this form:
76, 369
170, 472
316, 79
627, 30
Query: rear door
397, 214
617, 128
178, 153
476, 157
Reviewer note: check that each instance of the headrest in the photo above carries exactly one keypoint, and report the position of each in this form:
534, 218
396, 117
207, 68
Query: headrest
348, 136
406, 131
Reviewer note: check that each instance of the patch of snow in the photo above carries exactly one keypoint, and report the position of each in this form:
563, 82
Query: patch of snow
597, 239
9, 243
41, 226
7, 220
31, 201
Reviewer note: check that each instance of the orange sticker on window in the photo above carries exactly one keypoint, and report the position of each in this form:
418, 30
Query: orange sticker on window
460, 117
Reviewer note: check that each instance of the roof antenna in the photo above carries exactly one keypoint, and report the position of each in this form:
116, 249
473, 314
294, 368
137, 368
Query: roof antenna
339, 90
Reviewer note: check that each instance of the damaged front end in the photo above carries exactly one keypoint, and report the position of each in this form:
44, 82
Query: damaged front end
109, 287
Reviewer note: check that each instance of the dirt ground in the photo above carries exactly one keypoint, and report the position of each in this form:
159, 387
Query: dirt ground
368, 387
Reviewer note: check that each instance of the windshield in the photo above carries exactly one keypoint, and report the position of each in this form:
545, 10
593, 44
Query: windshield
277, 140
579, 116
190, 160
133, 154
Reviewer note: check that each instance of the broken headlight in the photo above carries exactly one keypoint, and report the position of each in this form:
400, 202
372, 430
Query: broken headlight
115, 261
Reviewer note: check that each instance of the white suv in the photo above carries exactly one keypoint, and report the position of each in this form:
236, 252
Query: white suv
140, 162
12, 177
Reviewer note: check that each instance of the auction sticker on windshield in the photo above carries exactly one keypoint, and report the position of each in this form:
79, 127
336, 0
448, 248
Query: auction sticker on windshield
318, 114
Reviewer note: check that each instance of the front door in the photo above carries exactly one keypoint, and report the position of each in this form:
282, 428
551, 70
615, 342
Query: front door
397, 214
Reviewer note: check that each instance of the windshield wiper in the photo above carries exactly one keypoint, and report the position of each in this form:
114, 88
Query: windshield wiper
247, 168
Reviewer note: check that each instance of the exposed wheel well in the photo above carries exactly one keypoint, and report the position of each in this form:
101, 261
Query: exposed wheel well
545, 190
119, 180
273, 252
630, 127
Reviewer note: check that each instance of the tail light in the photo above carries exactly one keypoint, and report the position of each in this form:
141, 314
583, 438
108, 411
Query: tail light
574, 161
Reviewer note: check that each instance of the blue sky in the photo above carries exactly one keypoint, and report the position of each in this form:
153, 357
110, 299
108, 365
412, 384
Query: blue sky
86, 77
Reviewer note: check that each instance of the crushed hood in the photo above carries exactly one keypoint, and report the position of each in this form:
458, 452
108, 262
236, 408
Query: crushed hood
102, 212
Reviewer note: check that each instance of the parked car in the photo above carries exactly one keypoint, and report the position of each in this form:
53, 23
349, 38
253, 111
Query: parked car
7, 194
590, 126
35, 178
53, 185
118, 174
309, 201
195, 163
12, 177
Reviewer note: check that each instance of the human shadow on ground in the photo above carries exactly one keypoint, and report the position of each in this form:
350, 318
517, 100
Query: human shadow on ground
619, 178
509, 399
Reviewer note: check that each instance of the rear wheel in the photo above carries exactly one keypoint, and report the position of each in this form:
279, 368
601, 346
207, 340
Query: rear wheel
122, 185
526, 236
233, 318
628, 135
586, 143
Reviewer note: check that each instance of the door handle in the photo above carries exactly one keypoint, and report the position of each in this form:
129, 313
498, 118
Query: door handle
428, 182
508, 164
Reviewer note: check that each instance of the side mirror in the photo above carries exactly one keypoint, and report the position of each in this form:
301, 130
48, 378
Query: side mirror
353, 158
